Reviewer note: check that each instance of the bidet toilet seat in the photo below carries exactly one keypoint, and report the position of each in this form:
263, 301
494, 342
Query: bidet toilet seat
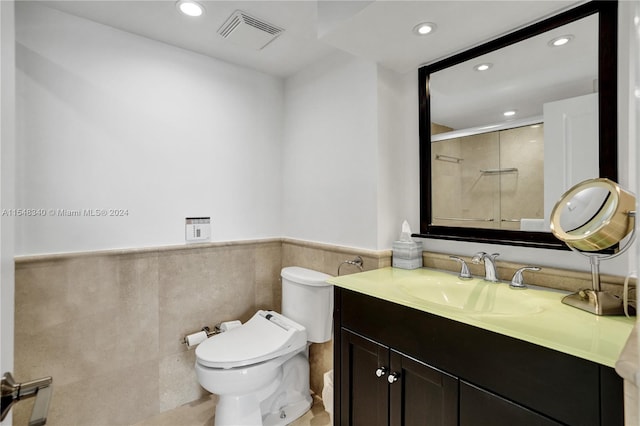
267, 335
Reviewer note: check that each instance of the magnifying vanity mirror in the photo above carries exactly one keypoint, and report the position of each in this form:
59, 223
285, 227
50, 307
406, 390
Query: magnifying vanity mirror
489, 178
592, 217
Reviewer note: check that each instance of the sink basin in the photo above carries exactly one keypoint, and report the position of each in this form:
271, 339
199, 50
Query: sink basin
473, 296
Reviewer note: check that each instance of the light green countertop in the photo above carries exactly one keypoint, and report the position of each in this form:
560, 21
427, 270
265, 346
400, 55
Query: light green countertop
535, 315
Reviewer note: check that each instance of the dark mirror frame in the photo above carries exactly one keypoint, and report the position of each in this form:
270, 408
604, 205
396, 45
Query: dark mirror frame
607, 111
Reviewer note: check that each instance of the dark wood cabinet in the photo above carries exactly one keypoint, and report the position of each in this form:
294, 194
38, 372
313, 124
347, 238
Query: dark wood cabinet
385, 387
422, 395
481, 408
364, 394
449, 373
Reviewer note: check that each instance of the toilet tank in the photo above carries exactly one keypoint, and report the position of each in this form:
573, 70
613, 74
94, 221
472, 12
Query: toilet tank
308, 300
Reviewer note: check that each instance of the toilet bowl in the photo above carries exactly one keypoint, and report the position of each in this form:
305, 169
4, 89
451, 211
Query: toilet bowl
247, 365
260, 370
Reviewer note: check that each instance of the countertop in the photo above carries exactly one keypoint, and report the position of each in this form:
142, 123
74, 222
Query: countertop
544, 319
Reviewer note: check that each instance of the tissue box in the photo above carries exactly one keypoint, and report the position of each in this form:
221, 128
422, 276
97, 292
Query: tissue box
407, 263
407, 250
407, 254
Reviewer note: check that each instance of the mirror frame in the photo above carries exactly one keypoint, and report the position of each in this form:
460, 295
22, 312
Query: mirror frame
607, 118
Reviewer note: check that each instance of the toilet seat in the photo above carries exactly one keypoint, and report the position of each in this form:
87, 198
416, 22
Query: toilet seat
265, 336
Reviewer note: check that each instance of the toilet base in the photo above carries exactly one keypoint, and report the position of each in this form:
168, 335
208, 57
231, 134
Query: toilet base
286, 398
288, 414
292, 398
238, 411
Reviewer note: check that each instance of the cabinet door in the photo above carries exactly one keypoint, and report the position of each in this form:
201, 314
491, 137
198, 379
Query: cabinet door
481, 408
364, 395
421, 395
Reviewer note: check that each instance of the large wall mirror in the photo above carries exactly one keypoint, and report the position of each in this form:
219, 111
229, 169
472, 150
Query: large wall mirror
490, 177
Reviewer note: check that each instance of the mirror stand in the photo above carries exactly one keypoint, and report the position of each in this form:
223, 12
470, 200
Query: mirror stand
595, 300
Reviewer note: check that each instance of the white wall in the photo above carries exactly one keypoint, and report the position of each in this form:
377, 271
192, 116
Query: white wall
110, 120
330, 153
399, 161
350, 158
7, 182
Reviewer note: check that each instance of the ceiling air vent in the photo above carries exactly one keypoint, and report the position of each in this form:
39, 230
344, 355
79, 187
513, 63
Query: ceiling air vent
248, 31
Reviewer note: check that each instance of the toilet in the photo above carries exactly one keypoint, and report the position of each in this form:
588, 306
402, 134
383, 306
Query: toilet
260, 369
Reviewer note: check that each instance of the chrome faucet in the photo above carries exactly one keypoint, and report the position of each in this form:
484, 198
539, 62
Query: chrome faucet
464, 269
517, 281
489, 260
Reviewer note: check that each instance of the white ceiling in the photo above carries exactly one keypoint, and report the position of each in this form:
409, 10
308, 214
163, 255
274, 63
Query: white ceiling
376, 30
524, 77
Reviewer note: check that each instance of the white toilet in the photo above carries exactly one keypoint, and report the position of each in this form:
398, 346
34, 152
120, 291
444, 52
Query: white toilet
260, 370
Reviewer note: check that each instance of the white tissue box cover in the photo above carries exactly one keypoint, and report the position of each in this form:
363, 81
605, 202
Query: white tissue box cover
409, 250
407, 263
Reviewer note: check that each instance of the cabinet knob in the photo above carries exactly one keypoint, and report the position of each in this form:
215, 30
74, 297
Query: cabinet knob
393, 377
381, 371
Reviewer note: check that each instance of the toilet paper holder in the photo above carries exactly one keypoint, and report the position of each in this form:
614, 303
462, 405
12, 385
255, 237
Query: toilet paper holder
186, 340
194, 339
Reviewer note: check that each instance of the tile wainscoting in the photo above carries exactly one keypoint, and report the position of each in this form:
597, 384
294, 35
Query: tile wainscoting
108, 325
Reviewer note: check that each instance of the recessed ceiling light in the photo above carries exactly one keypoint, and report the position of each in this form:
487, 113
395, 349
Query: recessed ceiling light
510, 113
561, 41
424, 28
482, 67
190, 7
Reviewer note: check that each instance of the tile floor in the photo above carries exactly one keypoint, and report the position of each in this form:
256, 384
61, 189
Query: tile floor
200, 413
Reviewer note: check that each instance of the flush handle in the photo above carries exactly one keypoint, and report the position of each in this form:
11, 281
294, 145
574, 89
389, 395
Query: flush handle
13, 392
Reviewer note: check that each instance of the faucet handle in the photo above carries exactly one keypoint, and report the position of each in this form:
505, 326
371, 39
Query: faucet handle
477, 258
517, 281
464, 269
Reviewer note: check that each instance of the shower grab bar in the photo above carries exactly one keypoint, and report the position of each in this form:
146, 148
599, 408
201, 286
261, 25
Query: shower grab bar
448, 158
499, 171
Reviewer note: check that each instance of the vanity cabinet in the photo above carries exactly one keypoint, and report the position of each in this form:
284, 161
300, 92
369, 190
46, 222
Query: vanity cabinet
450, 373
481, 408
384, 386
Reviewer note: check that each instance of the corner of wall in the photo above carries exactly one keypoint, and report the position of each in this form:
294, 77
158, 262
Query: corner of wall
398, 158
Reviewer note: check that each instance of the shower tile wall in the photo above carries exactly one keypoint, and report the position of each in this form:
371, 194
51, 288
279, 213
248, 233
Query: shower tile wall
461, 190
107, 326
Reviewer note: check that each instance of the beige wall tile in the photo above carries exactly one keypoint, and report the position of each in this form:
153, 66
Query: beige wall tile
320, 361
120, 397
70, 351
50, 293
268, 261
93, 319
138, 311
203, 287
108, 327
178, 382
